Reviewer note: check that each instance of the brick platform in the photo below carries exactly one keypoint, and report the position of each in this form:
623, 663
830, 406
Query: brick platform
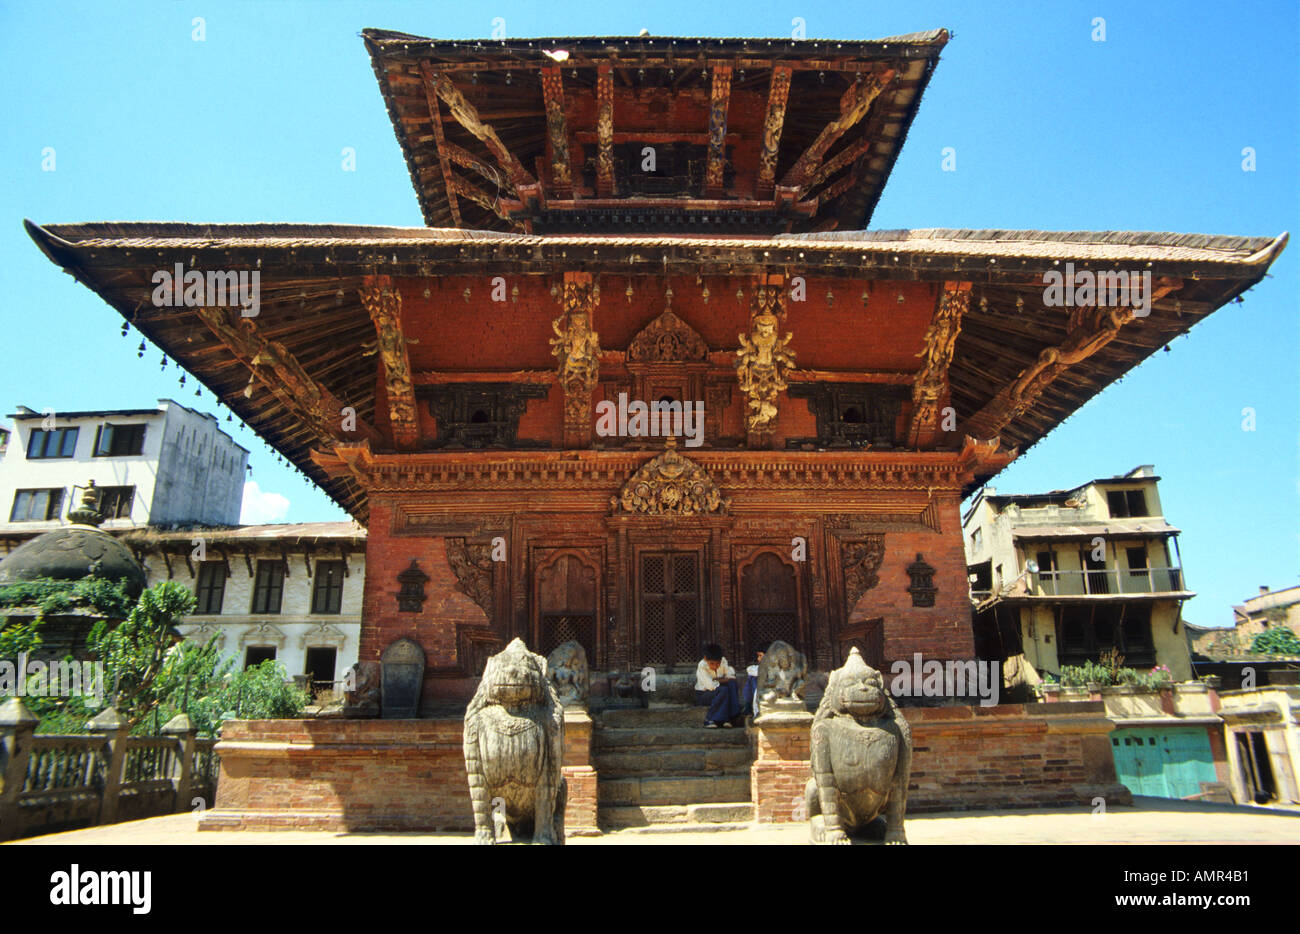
409, 775
1009, 756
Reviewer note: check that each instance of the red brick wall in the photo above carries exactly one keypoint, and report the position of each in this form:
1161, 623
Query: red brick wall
515, 334
942, 631
1009, 756
360, 775
445, 607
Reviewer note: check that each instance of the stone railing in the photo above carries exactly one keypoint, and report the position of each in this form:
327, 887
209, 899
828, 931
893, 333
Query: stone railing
50, 783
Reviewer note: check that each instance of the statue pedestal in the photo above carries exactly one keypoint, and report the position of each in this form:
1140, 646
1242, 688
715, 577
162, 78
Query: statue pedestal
781, 768
580, 807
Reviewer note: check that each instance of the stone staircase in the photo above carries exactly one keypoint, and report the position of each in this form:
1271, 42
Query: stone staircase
658, 768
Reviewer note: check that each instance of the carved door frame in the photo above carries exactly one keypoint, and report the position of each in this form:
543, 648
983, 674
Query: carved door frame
745, 556
542, 556
635, 535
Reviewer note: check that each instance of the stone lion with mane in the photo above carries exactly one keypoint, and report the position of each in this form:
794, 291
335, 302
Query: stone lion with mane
514, 743
861, 757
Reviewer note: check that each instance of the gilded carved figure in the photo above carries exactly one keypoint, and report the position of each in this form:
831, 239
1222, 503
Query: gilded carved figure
761, 365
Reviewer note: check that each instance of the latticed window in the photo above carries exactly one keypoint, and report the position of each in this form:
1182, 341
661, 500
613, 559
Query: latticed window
670, 608
559, 628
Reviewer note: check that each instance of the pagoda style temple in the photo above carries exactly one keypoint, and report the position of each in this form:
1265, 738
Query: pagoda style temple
646, 381
620, 229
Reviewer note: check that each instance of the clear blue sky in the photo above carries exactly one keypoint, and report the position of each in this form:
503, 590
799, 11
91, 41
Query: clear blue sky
1052, 130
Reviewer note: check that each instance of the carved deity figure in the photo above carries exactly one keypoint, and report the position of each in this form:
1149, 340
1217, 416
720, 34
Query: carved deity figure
567, 668
577, 347
514, 746
861, 757
761, 365
782, 677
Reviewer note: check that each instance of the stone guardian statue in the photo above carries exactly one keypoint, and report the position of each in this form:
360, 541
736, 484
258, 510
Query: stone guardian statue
861, 757
514, 748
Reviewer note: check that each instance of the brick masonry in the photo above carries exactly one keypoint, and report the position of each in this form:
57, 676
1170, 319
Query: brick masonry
1008, 756
409, 775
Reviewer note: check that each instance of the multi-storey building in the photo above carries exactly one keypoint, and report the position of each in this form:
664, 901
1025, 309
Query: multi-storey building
1059, 578
165, 466
167, 480
289, 593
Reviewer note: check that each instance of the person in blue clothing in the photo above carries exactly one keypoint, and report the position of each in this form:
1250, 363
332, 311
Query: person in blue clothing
750, 700
716, 688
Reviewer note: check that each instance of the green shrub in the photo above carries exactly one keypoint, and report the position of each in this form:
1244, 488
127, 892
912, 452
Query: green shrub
1278, 640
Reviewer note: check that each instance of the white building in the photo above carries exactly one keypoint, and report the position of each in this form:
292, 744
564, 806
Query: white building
166, 466
1058, 578
291, 593
169, 478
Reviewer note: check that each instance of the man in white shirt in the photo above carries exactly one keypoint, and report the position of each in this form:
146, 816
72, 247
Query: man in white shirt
716, 688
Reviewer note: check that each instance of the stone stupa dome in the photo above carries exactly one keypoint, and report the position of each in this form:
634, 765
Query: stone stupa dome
75, 552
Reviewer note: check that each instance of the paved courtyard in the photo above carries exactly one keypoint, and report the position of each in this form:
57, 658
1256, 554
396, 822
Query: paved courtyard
1149, 821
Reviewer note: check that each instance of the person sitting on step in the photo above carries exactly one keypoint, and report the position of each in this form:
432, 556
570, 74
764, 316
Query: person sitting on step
716, 688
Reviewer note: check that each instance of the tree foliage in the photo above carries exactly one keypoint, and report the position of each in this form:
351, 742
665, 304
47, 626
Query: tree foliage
1277, 640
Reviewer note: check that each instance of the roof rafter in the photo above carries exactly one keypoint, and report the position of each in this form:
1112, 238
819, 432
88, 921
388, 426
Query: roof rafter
854, 104
467, 115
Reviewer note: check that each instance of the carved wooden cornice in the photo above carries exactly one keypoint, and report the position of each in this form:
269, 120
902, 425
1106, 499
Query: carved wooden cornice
383, 302
277, 370
940, 341
596, 472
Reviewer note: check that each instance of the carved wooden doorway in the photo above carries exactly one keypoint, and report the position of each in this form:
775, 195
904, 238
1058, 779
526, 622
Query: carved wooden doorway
670, 606
568, 599
769, 603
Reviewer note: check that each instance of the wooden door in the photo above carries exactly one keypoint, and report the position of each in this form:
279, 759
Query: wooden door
671, 606
769, 603
567, 602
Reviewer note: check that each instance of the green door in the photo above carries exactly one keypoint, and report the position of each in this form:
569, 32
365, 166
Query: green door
1169, 763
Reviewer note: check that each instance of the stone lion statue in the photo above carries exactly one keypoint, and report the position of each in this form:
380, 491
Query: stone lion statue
567, 668
514, 746
861, 757
782, 677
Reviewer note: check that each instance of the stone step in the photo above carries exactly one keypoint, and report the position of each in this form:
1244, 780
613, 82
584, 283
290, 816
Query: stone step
685, 737
673, 715
685, 817
678, 790
673, 760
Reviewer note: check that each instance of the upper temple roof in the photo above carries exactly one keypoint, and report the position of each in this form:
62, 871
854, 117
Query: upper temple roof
651, 134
